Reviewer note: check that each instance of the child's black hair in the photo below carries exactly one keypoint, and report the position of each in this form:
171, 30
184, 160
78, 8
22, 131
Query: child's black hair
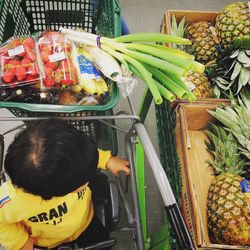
51, 158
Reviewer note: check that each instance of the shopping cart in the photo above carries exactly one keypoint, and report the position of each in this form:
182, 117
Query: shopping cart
99, 122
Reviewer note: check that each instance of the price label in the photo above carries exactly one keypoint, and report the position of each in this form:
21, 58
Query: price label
249, 6
16, 51
190, 85
57, 57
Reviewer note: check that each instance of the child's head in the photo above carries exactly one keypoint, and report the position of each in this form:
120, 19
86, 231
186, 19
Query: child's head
51, 158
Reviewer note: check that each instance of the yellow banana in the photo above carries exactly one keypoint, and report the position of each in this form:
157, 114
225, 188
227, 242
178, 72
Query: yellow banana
89, 86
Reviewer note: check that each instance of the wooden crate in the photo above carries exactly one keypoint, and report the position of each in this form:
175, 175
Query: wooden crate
191, 120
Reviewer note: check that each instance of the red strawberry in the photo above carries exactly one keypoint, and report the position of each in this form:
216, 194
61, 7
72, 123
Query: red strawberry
29, 42
32, 70
8, 75
51, 65
48, 82
45, 47
45, 56
21, 73
48, 71
67, 81
4, 60
16, 42
31, 78
13, 64
26, 63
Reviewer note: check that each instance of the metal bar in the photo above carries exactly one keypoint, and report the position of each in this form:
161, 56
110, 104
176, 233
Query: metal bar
73, 118
145, 105
129, 214
134, 192
159, 173
175, 216
140, 180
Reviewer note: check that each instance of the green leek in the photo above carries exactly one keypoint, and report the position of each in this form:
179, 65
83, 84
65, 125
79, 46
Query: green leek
164, 91
167, 82
152, 37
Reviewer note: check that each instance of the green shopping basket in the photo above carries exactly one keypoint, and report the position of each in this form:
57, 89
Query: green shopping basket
24, 17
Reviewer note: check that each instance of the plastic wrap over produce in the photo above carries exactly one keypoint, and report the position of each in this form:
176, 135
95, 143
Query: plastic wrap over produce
19, 64
56, 54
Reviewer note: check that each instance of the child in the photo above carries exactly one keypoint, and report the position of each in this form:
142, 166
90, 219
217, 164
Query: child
48, 201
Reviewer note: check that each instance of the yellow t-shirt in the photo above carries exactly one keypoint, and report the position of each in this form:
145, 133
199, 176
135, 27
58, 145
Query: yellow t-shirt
50, 222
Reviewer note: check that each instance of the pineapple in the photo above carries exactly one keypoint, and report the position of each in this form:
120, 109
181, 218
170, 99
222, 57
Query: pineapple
228, 213
201, 85
204, 46
233, 21
198, 83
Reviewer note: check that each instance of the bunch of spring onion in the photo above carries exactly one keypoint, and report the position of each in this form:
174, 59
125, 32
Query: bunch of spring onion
161, 67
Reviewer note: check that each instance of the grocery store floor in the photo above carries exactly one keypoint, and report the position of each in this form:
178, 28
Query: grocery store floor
143, 16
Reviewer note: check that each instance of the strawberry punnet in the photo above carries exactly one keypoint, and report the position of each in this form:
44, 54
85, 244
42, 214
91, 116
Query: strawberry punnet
18, 62
55, 51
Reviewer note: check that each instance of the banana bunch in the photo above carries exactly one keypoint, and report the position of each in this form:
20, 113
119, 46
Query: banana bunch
90, 80
91, 86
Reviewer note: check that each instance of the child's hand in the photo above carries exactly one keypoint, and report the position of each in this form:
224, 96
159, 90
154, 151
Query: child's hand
29, 245
116, 164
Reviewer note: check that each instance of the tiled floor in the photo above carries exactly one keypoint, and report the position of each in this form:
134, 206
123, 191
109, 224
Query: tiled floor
145, 16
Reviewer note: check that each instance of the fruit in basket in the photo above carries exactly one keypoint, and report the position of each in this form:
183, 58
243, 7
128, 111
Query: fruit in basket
56, 54
204, 46
19, 62
228, 212
201, 86
233, 21
68, 97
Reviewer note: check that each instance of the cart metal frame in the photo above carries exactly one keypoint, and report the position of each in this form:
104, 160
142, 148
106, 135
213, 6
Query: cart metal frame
137, 142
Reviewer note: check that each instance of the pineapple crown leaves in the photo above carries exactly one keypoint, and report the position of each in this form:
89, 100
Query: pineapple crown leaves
223, 146
232, 69
178, 30
236, 119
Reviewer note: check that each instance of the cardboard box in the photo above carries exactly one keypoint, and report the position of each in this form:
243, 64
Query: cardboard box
191, 17
191, 120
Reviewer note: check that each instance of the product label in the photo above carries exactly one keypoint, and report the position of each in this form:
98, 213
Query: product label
245, 188
87, 70
190, 85
57, 57
16, 51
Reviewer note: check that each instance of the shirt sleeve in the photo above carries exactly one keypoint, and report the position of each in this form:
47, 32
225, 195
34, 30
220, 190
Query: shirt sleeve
13, 236
104, 157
